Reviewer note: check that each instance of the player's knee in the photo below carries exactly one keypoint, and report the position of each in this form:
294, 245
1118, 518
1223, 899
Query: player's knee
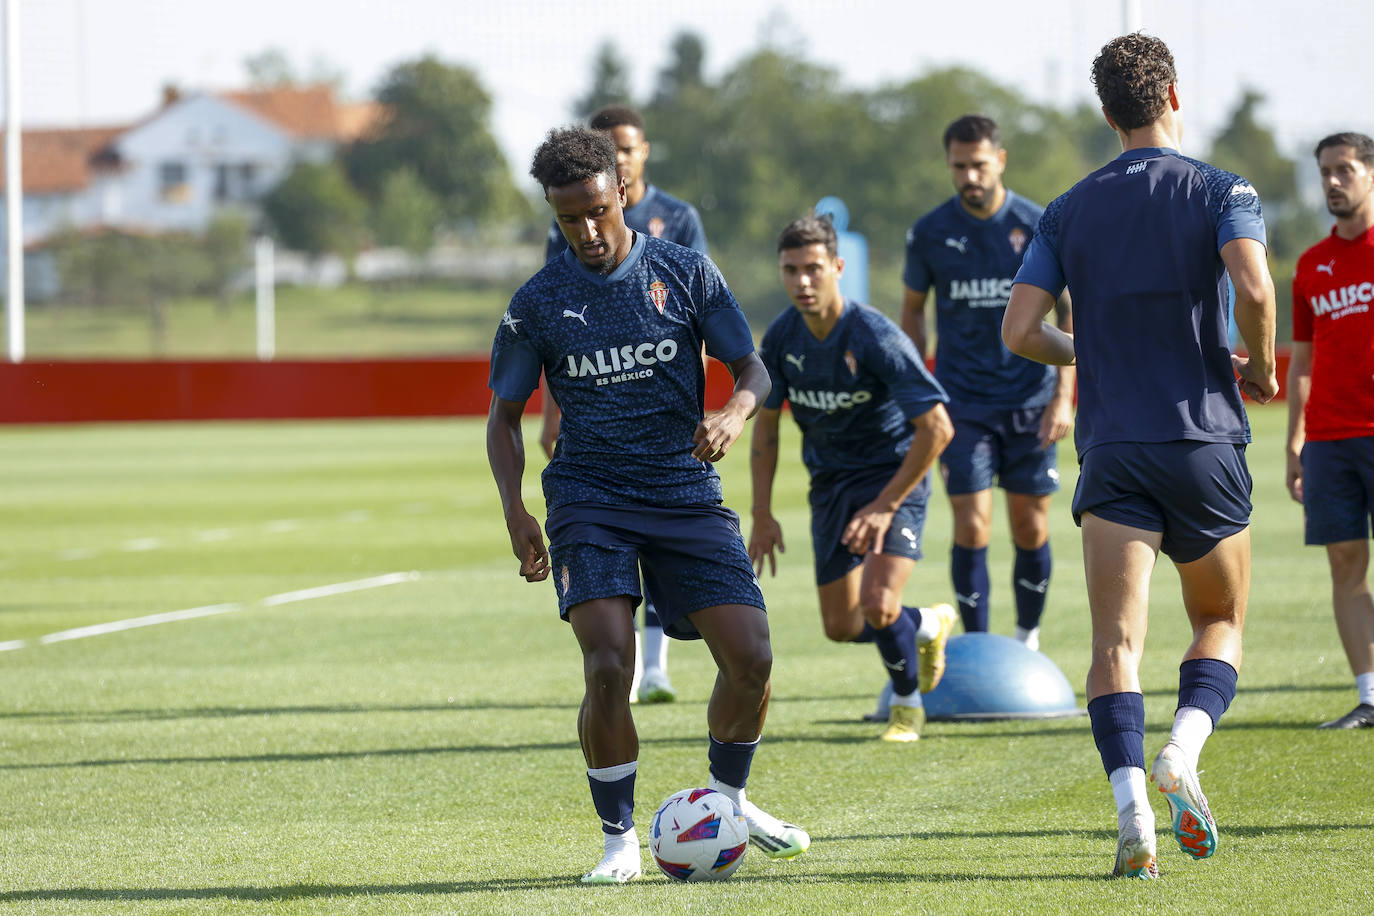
840, 630
749, 670
1031, 533
880, 609
607, 674
1349, 568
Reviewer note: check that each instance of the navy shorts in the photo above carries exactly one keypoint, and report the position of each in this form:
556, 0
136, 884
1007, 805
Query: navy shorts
1338, 489
998, 442
834, 500
1195, 493
693, 557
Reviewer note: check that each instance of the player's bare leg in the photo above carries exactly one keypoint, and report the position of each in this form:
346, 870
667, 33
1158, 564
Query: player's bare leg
1216, 588
605, 631
737, 635
1350, 598
1118, 560
1029, 519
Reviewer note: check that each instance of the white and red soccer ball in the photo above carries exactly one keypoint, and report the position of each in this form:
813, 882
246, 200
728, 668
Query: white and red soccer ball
698, 835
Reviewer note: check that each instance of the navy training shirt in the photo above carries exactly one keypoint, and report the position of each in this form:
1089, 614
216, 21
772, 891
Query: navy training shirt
971, 262
622, 354
853, 394
1138, 244
658, 214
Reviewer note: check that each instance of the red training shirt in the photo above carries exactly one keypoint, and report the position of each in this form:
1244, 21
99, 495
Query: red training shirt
1333, 307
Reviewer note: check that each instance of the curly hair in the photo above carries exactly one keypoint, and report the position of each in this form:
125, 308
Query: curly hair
1132, 75
1361, 143
810, 230
973, 128
570, 155
616, 116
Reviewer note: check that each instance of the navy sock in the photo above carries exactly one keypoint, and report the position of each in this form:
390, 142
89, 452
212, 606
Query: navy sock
968, 569
614, 802
1118, 721
730, 760
897, 645
867, 634
1030, 576
1207, 683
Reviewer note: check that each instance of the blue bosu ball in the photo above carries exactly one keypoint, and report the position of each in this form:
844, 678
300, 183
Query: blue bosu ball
995, 677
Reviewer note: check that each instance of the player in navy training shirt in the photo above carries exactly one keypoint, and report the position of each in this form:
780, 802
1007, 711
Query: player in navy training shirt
658, 214
617, 324
1008, 412
1145, 243
873, 422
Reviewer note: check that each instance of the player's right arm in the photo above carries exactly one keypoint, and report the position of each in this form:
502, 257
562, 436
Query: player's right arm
1299, 388
506, 455
1246, 261
765, 532
914, 317
550, 417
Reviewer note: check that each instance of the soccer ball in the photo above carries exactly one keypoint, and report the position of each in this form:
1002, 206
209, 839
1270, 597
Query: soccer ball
698, 835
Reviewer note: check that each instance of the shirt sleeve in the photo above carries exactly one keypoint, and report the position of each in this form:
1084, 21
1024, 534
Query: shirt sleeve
1302, 311
515, 360
555, 243
768, 353
693, 232
1241, 216
721, 322
893, 358
916, 274
1041, 267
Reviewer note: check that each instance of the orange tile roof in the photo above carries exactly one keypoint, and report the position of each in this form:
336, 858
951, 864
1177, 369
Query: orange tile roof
307, 112
61, 159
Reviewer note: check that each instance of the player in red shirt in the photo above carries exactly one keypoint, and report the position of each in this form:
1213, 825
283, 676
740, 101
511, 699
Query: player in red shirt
1331, 400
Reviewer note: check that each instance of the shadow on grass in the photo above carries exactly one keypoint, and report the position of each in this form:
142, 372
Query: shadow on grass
1163, 832
498, 885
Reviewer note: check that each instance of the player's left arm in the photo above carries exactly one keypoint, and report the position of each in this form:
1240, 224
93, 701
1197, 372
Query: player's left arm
719, 429
868, 527
1247, 263
1057, 419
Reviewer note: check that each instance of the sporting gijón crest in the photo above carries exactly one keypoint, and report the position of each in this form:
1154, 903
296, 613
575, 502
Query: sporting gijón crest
658, 294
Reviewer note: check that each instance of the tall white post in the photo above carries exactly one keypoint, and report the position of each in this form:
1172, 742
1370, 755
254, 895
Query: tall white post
264, 272
1130, 16
14, 189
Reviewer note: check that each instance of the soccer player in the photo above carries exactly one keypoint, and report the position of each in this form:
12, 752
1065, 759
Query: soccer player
1008, 412
616, 324
661, 215
873, 422
1145, 243
1331, 403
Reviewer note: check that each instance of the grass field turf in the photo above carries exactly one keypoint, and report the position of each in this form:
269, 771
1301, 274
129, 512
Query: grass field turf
411, 748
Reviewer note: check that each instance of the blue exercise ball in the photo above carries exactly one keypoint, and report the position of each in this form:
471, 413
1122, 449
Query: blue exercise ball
995, 677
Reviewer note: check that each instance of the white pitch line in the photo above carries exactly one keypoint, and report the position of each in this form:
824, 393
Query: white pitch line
282, 524
148, 620
76, 553
340, 588
212, 534
138, 545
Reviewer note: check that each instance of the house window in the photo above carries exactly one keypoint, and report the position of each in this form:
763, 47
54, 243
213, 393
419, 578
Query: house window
172, 182
248, 174
222, 192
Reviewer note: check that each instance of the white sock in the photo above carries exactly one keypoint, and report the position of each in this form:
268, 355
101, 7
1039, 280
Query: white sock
1128, 789
611, 774
1364, 683
734, 793
655, 649
1029, 638
929, 628
911, 700
622, 844
639, 669
1192, 726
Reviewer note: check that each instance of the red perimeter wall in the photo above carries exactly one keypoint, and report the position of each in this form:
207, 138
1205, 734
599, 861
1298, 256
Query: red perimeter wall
73, 392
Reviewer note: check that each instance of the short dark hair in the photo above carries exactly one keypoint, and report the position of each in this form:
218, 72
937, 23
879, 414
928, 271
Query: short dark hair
810, 230
616, 116
572, 154
1132, 75
973, 128
1362, 144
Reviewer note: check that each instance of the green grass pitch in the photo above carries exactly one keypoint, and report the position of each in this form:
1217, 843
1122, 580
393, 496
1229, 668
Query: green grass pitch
411, 747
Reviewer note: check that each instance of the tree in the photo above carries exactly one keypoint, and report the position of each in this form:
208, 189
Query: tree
610, 82
315, 210
269, 68
437, 125
226, 251
407, 213
685, 72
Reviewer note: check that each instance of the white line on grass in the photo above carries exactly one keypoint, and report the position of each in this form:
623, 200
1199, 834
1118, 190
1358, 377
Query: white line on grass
148, 620
213, 534
138, 545
76, 553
